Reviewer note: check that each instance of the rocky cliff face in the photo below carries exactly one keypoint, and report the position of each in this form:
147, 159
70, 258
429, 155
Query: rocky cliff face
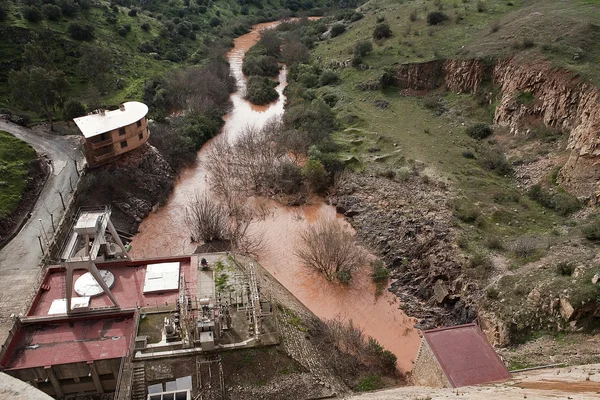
132, 185
531, 94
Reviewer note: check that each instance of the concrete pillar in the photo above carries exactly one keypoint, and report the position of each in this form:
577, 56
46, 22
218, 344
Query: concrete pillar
54, 381
95, 377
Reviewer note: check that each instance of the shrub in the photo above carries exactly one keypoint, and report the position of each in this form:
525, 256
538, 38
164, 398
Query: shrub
591, 230
561, 202
32, 14
52, 12
337, 29
492, 293
73, 109
479, 131
382, 31
494, 243
356, 16
260, 90
481, 6
466, 213
316, 176
526, 246
261, 65
495, 160
565, 268
308, 79
133, 12
68, 8
214, 22
344, 277
145, 27
413, 15
122, 31
468, 154
81, 31
380, 272
436, 17
330, 99
3, 12
328, 77
362, 48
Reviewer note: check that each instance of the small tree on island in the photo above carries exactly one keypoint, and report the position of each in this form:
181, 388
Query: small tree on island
330, 249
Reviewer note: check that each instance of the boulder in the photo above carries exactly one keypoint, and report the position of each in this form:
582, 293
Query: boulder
566, 309
595, 279
440, 292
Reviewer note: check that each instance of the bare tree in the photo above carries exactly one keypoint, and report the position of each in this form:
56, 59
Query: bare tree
206, 219
257, 163
330, 249
241, 232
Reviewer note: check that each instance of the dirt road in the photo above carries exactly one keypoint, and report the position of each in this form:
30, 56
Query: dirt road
20, 258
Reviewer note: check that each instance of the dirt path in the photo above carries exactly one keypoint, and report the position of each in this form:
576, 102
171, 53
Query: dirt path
20, 258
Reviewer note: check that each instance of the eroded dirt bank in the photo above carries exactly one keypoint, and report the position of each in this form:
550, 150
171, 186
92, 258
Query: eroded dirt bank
531, 94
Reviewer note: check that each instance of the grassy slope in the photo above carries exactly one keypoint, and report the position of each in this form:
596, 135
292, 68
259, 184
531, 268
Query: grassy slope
15, 157
407, 131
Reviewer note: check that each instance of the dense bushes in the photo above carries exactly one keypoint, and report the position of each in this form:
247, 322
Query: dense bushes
479, 131
436, 17
52, 12
337, 29
362, 48
32, 14
328, 77
81, 31
495, 160
73, 109
261, 65
561, 202
260, 90
382, 31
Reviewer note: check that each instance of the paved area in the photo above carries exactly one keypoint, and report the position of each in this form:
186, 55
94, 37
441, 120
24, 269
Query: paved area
577, 382
20, 258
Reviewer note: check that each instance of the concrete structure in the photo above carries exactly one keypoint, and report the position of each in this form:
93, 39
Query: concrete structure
576, 382
457, 356
108, 134
87, 245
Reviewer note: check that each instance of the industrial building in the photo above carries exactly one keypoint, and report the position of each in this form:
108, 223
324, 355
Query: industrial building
457, 356
100, 317
109, 134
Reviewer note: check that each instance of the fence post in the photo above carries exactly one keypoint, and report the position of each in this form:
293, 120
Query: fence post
62, 201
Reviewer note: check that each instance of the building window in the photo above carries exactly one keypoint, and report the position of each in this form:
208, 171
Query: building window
141, 135
124, 144
139, 123
121, 131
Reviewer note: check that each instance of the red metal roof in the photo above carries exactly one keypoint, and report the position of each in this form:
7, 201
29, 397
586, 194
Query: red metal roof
68, 341
465, 355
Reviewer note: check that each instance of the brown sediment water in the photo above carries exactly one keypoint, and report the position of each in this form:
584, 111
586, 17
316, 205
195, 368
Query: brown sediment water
164, 232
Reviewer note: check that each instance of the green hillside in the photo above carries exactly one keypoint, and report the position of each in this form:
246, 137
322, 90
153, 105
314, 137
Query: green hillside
106, 50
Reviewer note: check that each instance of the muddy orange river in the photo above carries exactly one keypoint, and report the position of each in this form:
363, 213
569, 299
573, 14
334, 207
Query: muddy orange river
165, 232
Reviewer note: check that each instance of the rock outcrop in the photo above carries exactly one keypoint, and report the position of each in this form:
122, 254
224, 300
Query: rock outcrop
409, 225
133, 185
554, 97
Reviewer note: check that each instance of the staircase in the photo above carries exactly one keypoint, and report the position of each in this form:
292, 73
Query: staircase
138, 387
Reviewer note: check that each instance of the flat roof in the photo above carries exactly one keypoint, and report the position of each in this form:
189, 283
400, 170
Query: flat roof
128, 286
465, 355
70, 341
96, 124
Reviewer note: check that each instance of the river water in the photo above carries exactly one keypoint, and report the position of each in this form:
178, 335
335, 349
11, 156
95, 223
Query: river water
164, 232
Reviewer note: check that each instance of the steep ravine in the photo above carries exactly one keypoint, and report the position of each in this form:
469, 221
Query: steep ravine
556, 97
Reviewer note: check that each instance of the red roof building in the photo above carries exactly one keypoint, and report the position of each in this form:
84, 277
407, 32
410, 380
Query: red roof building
457, 356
